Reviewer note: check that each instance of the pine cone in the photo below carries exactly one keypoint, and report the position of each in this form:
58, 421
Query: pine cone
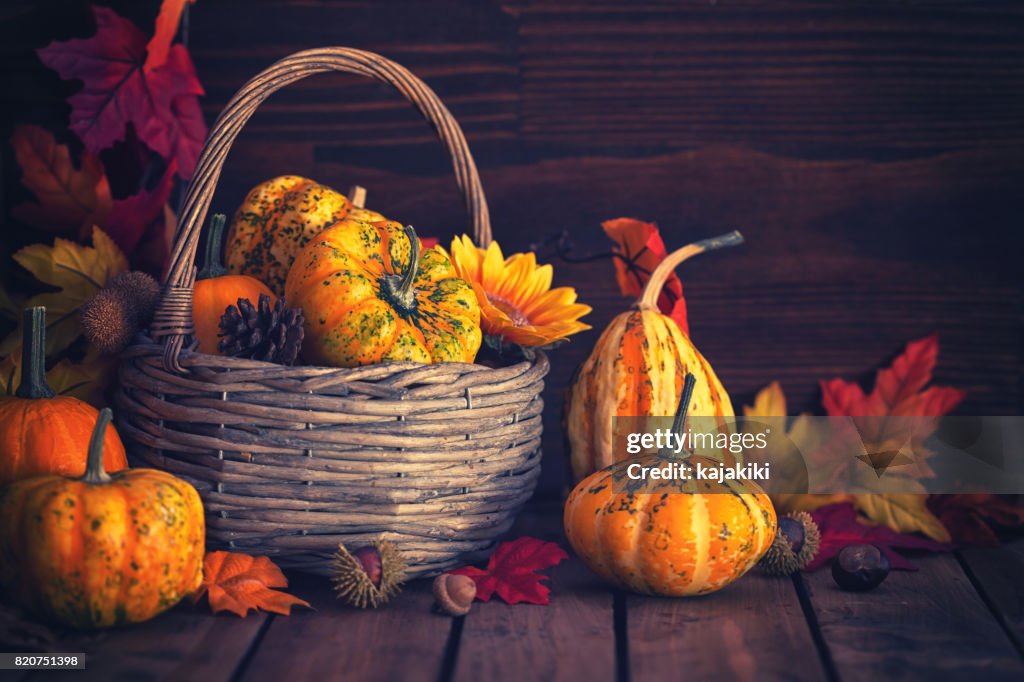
270, 334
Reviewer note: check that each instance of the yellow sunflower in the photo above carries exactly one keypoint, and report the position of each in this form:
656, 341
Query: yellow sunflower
517, 302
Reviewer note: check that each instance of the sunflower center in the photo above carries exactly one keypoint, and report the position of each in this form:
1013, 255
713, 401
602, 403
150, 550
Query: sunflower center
517, 316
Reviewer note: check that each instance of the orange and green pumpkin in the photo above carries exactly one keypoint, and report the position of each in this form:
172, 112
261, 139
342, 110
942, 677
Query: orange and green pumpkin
637, 369
369, 295
215, 290
277, 219
104, 549
676, 538
41, 432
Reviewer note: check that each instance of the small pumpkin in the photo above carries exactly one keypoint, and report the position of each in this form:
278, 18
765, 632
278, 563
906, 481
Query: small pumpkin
215, 290
637, 369
370, 295
675, 539
41, 432
103, 549
277, 219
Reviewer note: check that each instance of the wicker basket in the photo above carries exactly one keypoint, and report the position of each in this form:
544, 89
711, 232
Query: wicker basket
292, 461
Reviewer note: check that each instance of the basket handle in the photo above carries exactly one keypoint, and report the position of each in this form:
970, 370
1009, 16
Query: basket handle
172, 320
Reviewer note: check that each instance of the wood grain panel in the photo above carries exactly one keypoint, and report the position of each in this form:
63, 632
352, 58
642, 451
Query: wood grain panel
916, 625
403, 641
996, 572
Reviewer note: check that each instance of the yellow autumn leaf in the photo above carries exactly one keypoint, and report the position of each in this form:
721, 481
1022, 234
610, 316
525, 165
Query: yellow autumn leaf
86, 380
770, 401
78, 272
902, 512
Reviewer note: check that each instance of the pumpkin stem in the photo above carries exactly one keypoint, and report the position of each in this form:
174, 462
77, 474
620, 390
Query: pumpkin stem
94, 472
684, 407
649, 297
398, 288
33, 356
213, 265
357, 195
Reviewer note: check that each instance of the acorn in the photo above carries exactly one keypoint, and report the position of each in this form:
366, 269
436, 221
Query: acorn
797, 540
454, 594
368, 576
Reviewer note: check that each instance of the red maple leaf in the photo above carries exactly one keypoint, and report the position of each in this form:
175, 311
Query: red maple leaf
161, 103
512, 571
839, 528
638, 251
130, 217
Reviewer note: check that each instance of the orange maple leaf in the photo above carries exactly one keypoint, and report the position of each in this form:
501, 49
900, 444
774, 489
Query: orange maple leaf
639, 249
70, 200
240, 583
163, 34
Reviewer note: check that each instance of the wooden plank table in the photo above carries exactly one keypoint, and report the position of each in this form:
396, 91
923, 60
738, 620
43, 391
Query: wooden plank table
961, 616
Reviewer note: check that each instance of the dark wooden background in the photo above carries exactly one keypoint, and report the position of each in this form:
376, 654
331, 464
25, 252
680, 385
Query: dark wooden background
871, 152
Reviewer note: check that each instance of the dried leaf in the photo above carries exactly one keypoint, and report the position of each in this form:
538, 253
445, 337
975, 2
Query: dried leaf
79, 272
131, 217
770, 401
86, 380
68, 198
160, 103
512, 571
840, 527
902, 512
973, 519
240, 583
639, 249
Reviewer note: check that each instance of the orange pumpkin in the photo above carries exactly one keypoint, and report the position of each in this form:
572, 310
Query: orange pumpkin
677, 538
43, 433
215, 290
103, 549
369, 294
637, 369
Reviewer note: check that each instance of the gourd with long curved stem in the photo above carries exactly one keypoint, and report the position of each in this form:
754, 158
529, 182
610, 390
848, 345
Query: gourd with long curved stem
41, 432
637, 369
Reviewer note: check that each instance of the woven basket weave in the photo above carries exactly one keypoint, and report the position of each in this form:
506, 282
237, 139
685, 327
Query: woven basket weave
292, 461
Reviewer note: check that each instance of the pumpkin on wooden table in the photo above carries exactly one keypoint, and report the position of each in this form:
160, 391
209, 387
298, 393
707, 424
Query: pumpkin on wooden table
637, 369
277, 219
45, 433
369, 294
215, 290
104, 549
664, 535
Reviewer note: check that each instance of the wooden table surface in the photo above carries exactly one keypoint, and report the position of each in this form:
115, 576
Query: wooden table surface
961, 616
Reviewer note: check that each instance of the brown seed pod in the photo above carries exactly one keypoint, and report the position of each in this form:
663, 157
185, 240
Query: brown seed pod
142, 293
796, 543
454, 594
108, 321
368, 576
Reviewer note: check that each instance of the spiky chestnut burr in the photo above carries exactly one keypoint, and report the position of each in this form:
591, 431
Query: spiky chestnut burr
797, 541
112, 317
368, 576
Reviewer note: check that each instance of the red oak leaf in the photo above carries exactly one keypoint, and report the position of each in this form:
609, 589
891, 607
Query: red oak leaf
839, 528
161, 103
639, 249
972, 519
130, 217
512, 571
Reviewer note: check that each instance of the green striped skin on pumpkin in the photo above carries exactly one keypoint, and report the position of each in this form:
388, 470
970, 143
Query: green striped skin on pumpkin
366, 300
